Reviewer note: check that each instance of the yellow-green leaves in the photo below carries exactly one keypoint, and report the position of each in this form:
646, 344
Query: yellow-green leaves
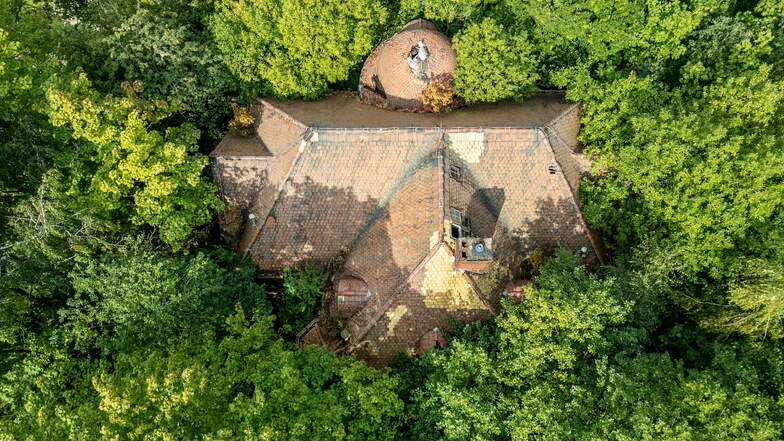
123, 164
15, 80
298, 47
493, 64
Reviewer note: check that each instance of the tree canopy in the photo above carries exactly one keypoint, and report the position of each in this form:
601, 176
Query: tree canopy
296, 48
124, 317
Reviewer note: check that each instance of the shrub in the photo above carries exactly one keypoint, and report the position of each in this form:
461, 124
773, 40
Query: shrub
438, 95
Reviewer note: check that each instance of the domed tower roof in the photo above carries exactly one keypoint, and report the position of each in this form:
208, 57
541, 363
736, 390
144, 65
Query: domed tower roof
397, 71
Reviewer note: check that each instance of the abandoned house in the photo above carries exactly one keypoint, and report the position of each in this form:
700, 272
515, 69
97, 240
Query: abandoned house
425, 217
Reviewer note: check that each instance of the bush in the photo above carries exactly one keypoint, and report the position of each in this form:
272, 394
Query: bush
438, 95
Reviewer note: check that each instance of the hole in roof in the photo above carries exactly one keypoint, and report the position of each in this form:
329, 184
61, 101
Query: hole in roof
417, 61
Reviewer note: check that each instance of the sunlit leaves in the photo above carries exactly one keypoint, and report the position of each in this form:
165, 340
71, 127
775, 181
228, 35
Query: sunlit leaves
149, 176
298, 47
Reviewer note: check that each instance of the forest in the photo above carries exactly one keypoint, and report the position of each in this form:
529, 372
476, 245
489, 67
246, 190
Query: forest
124, 317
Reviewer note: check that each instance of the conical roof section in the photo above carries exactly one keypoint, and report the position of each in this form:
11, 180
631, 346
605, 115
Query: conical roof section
397, 71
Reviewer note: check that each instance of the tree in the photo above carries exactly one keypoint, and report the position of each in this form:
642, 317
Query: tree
135, 296
247, 384
297, 47
27, 141
129, 167
676, 161
563, 318
174, 60
587, 379
303, 289
493, 64
756, 303
44, 236
442, 10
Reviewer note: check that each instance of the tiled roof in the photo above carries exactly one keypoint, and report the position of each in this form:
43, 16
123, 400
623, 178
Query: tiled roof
377, 203
387, 80
344, 110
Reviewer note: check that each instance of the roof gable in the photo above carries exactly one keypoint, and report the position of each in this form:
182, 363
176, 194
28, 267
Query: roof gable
379, 203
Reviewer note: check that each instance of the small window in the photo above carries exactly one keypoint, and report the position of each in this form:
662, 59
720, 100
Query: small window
455, 172
553, 169
457, 216
455, 231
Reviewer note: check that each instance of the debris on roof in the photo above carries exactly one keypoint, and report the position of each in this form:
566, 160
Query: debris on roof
414, 210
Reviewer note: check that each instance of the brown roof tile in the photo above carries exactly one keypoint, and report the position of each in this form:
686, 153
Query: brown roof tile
378, 202
388, 81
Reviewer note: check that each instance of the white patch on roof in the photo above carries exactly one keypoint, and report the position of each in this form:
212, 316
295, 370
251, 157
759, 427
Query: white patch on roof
434, 239
468, 145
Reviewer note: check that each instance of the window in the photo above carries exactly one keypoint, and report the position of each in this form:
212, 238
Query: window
457, 216
456, 231
455, 172
553, 169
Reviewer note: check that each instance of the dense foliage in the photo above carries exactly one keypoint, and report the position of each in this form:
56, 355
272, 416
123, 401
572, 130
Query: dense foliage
123, 317
301, 298
296, 47
127, 169
570, 360
493, 64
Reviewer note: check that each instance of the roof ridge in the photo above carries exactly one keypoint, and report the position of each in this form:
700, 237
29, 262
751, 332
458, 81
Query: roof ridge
441, 189
573, 198
393, 191
388, 303
550, 126
301, 142
562, 114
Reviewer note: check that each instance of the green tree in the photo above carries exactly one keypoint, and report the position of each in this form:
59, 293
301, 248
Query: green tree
303, 289
576, 373
297, 47
442, 10
27, 141
676, 161
44, 237
173, 59
248, 384
562, 319
134, 296
129, 167
493, 64
756, 303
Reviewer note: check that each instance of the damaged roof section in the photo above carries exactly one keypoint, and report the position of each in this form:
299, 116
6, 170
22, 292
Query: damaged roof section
422, 215
403, 209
